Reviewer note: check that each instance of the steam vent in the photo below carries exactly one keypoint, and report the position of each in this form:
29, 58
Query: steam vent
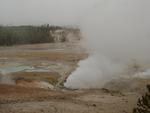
74, 56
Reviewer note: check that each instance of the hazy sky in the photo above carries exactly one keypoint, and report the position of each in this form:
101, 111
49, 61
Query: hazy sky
64, 12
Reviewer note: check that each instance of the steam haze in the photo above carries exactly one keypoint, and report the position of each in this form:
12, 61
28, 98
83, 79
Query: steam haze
55, 12
116, 33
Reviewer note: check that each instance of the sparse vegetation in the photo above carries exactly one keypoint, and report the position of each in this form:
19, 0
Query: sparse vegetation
50, 77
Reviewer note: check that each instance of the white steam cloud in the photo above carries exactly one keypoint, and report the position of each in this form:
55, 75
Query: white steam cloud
115, 32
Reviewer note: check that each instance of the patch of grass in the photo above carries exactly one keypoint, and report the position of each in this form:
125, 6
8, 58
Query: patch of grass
50, 77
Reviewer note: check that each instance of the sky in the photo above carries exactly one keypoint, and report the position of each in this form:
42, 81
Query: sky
55, 12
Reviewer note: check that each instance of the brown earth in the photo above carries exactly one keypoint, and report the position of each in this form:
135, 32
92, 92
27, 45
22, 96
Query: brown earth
25, 97
58, 52
15, 99
51, 77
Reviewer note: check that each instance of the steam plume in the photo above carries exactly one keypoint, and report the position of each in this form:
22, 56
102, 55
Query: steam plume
115, 32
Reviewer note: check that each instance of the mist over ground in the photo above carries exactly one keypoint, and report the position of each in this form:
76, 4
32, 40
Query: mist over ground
116, 34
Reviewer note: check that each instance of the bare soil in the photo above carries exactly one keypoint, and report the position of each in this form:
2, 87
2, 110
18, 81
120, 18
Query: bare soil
53, 63
15, 99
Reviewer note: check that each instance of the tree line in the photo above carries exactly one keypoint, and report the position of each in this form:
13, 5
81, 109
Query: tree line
15, 35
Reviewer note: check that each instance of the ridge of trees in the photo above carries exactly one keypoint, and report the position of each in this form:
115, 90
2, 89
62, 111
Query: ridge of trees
15, 35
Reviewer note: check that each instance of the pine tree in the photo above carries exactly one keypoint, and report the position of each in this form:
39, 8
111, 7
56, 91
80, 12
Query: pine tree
143, 105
